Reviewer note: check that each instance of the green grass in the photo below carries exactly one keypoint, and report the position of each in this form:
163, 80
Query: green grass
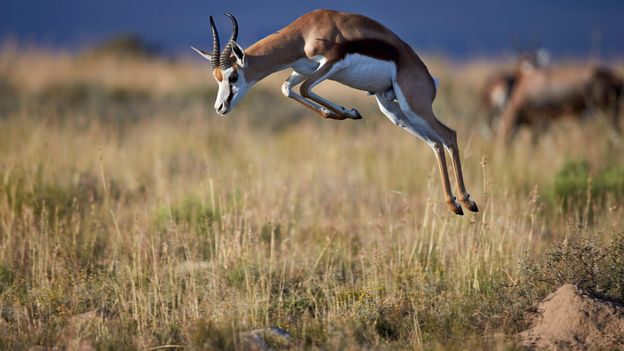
574, 180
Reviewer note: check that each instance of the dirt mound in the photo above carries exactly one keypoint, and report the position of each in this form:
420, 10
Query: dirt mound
570, 320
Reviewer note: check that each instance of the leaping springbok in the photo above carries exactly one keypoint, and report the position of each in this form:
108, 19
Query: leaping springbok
353, 50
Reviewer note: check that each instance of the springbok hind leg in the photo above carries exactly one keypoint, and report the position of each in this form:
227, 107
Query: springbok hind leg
419, 111
450, 201
449, 138
393, 111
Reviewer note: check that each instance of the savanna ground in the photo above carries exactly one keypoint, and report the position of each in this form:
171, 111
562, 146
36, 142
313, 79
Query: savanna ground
121, 191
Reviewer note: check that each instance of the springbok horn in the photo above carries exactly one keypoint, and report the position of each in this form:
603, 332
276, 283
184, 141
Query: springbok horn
225, 56
216, 47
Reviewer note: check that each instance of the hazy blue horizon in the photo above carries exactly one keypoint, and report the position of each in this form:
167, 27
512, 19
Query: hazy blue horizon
454, 28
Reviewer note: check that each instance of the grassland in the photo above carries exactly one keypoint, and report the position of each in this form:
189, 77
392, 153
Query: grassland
121, 191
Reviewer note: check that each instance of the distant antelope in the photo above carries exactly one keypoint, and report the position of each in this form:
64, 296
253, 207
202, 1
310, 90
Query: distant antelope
495, 93
497, 89
355, 51
542, 94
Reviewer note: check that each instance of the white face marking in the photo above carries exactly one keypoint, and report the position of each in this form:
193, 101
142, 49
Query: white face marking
232, 87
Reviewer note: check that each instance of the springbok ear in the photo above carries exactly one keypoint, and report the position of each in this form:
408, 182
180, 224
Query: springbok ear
239, 53
205, 54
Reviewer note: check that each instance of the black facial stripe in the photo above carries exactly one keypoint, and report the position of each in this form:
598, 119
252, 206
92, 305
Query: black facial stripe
230, 95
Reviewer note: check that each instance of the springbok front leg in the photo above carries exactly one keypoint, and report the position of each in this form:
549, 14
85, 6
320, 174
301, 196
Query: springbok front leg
324, 71
420, 128
287, 89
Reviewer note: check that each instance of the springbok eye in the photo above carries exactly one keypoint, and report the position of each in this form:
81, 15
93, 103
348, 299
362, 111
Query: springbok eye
233, 78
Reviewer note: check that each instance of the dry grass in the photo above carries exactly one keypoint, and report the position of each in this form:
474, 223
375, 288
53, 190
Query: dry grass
122, 191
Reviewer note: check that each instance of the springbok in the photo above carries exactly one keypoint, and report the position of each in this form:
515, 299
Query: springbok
353, 50
539, 95
497, 89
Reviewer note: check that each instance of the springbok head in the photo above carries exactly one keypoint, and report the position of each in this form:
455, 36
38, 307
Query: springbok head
227, 67
530, 61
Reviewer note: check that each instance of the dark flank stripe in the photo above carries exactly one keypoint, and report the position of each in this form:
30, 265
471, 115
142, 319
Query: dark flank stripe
374, 48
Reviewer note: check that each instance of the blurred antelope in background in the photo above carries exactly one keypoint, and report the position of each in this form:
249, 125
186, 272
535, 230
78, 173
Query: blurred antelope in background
353, 50
496, 91
542, 94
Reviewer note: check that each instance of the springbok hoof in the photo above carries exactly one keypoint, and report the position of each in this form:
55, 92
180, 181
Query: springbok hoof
470, 205
455, 208
355, 114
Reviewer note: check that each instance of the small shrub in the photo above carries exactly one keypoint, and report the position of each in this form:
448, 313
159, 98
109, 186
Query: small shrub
596, 268
6, 277
126, 95
572, 182
235, 276
69, 94
269, 230
125, 45
190, 210
611, 180
394, 320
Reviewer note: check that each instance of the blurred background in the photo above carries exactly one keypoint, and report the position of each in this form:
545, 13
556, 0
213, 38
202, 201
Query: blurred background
132, 216
455, 28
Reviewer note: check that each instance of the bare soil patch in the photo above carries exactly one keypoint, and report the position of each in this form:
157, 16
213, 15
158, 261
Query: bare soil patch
571, 320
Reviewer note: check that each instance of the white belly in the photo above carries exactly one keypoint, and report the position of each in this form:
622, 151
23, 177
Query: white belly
364, 73
355, 70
